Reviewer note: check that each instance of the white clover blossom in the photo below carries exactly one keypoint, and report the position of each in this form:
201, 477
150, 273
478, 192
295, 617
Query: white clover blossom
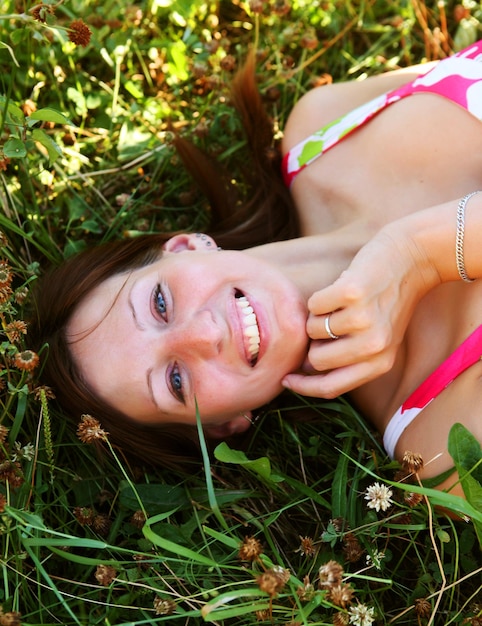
361, 615
375, 559
26, 452
378, 497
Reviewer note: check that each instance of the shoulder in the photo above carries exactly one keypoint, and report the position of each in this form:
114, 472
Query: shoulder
322, 105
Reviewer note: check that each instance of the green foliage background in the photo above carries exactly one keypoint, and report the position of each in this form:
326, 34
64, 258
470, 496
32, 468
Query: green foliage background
86, 156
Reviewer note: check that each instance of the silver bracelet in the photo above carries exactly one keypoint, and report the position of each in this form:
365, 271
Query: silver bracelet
459, 240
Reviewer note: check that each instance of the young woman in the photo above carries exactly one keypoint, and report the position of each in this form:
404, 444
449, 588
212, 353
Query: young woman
364, 284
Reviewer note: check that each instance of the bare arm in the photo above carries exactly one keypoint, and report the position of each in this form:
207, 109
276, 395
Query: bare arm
371, 303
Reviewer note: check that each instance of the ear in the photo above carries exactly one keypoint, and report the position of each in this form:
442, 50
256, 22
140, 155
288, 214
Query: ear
189, 241
234, 426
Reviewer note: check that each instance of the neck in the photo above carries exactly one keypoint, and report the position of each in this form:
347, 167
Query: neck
316, 261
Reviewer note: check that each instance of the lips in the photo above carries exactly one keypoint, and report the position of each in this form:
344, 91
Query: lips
250, 328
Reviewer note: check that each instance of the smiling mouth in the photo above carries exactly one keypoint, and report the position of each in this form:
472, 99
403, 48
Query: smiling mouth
250, 327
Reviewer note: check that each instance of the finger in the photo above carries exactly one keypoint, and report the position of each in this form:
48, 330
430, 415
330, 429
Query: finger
340, 294
321, 327
333, 383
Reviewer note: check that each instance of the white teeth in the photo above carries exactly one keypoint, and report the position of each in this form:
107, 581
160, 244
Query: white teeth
251, 329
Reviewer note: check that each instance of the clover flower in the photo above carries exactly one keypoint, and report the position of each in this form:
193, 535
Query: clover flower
26, 360
89, 430
250, 549
378, 497
361, 615
79, 33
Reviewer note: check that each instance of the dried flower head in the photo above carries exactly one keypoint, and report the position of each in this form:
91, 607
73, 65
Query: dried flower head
352, 549
11, 618
21, 295
5, 293
361, 615
307, 546
84, 515
330, 574
4, 163
14, 330
6, 274
41, 390
138, 519
340, 619
89, 430
3, 502
273, 580
341, 595
79, 33
262, 615
105, 574
307, 591
378, 497
26, 360
3, 433
3, 236
412, 462
164, 606
250, 549
41, 11
423, 608
101, 524
11, 473
412, 499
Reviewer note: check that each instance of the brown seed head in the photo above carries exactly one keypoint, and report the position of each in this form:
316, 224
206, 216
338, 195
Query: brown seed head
138, 519
3, 433
14, 330
26, 360
412, 499
89, 430
101, 524
6, 275
412, 462
423, 608
41, 11
330, 574
307, 546
250, 549
12, 618
79, 33
105, 574
164, 606
273, 580
341, 619
341, 595
84, 515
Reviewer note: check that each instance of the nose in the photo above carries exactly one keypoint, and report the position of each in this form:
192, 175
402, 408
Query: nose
199, 335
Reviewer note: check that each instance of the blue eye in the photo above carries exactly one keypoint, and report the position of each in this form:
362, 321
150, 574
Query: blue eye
175, 380
159, 302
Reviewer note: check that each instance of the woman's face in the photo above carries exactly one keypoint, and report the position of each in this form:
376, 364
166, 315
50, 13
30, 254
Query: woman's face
219, 329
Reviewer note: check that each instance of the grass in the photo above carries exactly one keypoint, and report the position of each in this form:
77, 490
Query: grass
85, 156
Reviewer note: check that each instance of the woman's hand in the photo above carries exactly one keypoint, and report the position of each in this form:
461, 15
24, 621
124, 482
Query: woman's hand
368, 308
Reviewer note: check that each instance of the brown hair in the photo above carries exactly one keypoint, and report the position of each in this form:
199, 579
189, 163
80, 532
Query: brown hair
268, 215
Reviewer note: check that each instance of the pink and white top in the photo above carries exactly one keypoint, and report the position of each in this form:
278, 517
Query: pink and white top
458, 78
466, 355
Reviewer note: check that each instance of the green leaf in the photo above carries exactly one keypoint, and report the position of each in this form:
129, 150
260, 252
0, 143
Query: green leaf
49, 115
14, 149
261, 466
53, 149
466, 451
